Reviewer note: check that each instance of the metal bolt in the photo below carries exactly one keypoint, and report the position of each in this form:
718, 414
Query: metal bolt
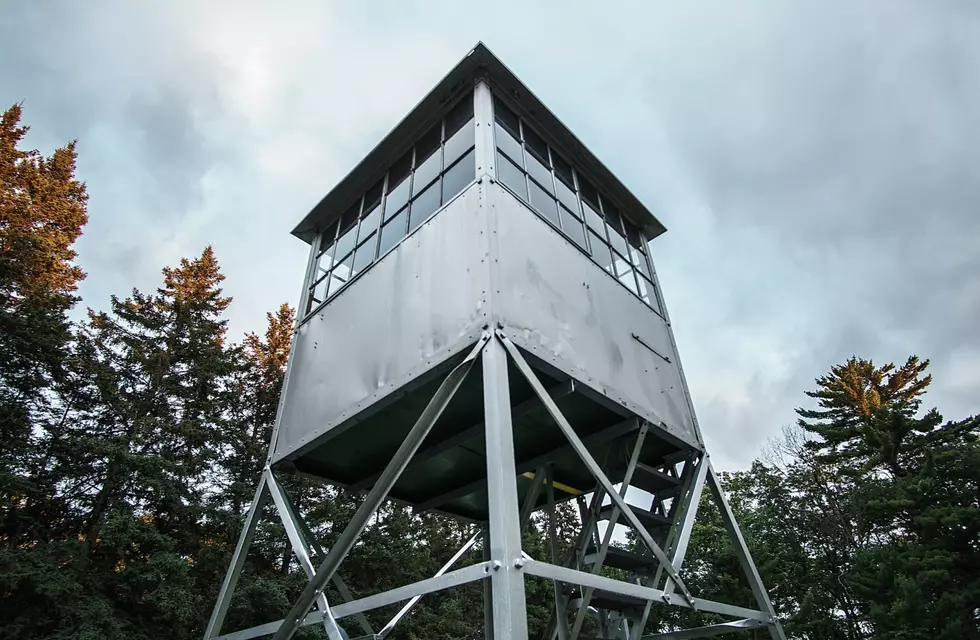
519, 563
496, 565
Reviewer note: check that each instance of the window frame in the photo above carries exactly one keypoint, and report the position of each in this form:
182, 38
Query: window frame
310, 302
655, 302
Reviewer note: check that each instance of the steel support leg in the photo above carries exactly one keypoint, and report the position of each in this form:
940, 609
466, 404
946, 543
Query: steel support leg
378, 493
338, 582
237, 562
610, 529
744, 557
301, 551
507, 579
688, 514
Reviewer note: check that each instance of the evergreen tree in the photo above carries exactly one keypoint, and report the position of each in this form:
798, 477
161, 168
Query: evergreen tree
42, 212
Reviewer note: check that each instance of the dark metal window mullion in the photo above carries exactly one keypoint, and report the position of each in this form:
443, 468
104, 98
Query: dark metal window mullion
581, 208
524, 152
554, 187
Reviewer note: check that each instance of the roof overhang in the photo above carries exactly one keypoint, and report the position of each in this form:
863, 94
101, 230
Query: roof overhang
478, 64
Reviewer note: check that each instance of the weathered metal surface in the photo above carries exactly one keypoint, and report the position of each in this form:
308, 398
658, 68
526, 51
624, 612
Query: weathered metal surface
557, 304
422, 303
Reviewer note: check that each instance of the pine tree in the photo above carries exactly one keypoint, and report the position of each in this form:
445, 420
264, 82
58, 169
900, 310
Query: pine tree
42, 212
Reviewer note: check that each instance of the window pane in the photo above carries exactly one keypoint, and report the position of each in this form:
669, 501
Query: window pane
424, 206
562, 168
640, 262
539, 172
618, 242
346, 243
573, 227
400, 170
567, 196
364, 254
342, 273
392, 232
459, 175
373, 196
629, 280
335, 282
621, 264
349, 219
459, 115
507, 143
600, 251
611, 214
509, 174
589, 193
427, 171
459, 143
535, 143
326, 240
632, 233
319, 291
397, 197
594, 220
544, 203
506, 117
369, 222
428, 143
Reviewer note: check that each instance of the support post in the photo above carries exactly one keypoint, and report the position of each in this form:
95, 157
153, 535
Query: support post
237, 562
507, 577
744, 557
301, 550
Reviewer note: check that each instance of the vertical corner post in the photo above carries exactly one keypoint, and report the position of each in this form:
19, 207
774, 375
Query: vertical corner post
507, 579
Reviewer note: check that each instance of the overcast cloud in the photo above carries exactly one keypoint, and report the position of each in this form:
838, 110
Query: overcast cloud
816, 163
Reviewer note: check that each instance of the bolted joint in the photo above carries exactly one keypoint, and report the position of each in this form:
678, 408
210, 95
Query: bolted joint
519, 563
667, 598
496, 565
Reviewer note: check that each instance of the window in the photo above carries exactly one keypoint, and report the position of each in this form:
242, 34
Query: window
539, 175
439, 166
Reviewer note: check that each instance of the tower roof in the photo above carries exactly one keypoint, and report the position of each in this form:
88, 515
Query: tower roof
479, 63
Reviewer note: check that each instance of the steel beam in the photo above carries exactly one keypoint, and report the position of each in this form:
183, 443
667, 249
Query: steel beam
687, 516
237, 562
507, 580
301, 551
707, 631
337, 580
744, 557
572, 576
590, 462
610, 529
411, 603
378, 493
430, 585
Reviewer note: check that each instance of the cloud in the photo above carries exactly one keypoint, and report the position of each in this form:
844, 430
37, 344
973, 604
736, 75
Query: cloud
815, 164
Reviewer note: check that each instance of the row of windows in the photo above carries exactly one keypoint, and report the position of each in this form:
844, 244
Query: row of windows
545, 180
430, 174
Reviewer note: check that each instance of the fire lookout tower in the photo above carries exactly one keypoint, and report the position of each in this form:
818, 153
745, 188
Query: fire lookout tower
482, 333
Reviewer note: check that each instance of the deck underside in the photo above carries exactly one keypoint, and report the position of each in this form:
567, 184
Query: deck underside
448, 473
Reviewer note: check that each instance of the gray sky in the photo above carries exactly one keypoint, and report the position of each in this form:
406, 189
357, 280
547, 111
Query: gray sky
816, 163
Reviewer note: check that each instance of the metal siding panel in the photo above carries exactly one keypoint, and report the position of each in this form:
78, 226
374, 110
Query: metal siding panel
423, 302
559, 305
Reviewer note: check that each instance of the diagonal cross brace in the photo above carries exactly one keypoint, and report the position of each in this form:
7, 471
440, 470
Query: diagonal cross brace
378, 493
590, 462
